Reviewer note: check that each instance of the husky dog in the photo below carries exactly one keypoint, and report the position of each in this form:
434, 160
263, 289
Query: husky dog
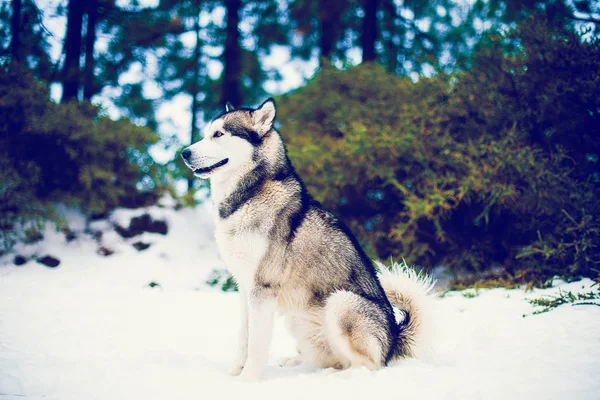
287, 253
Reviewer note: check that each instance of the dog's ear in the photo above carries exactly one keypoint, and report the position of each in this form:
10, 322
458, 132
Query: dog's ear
229, 107
264, 116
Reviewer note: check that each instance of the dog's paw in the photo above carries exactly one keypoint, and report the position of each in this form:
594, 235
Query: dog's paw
235, 370
290, 361
344, 373
250, 375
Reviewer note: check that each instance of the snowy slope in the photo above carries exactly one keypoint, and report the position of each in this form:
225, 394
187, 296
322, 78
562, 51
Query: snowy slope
92, 328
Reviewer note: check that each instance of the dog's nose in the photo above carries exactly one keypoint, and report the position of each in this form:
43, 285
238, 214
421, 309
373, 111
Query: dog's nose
186, 154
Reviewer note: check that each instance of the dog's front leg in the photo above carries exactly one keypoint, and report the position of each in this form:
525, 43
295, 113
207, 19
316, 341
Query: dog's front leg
242, 349
261, 312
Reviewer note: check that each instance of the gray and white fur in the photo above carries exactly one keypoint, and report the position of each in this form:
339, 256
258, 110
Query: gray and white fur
288, 254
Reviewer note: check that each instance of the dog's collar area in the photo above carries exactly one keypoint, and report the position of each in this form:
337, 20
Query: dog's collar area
212, 167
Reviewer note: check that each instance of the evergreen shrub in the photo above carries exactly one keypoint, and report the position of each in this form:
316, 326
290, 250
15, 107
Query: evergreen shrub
490, 169
66, 153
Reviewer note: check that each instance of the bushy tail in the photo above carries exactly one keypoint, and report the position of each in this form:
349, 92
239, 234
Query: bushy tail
411, 292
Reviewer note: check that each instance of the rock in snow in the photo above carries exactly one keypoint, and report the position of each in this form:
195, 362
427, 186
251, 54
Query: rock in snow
140, 246
141, 224
104, 251
19, 260
49, 261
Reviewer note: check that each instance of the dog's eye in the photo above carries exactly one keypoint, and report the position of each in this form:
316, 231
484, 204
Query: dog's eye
218, 134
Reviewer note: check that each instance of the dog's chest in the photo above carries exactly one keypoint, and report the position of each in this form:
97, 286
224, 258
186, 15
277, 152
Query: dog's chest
241, 248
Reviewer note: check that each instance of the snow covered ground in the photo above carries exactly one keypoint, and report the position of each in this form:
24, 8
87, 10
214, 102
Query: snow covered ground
93, 328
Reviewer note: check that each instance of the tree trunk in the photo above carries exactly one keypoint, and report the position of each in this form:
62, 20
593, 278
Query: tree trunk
71, 70
194, 133
392, 51
90, 40
16, 29
195, 136
232, 57
369, 34
327, 16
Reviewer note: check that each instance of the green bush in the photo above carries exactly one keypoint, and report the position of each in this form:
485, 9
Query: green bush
68, 153
492, 168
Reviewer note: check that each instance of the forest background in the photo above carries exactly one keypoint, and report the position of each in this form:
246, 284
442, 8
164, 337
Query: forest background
456, 133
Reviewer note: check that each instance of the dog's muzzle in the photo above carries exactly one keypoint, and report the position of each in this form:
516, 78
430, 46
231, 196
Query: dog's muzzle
187, 158
206, 170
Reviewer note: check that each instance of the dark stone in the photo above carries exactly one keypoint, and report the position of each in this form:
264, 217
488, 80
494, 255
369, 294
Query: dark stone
125, 232
158, 227
104, 251
19, 260
49, 261
140, 246
69, 234
141, 224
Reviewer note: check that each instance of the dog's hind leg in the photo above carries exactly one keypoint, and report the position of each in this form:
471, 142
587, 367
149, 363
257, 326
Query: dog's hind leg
308, 328
357, 330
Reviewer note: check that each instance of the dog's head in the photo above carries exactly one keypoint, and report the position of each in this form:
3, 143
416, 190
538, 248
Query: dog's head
230, 141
